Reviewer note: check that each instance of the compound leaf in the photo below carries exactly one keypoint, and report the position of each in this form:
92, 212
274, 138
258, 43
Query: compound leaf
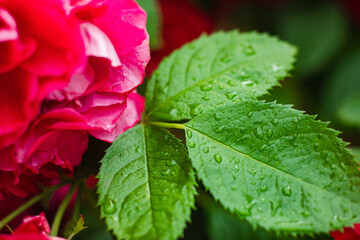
275, 166
214, 70
146, 185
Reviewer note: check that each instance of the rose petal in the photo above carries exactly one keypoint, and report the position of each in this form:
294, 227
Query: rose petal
130, 116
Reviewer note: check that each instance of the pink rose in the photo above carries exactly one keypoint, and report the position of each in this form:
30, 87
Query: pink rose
101, 99
41, 47
32, 228
37, 157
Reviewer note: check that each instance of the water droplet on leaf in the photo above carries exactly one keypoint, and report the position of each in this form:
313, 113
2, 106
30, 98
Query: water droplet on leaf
217, 117
191, 144
219, 129
109, 206
252, 171
286, 191
206, 98
174, 112
231, 95
248, 83
263, 189
218, 158
197, 109
206, 87
206, 150
189, 133
249, 50
165, 173
276, 67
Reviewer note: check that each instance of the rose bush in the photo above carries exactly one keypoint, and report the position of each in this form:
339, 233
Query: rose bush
32, 228
69, 69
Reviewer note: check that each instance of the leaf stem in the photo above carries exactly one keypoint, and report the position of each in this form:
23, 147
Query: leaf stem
60, 212
167, 125
19, 210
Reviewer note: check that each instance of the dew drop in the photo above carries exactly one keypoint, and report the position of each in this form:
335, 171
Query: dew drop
166, 173
274, 205
276, 67
248, 83
236, 168
174, 112
197, 109
286, 191
249, 50
109, 206
231, 83
269, 133
206, 87
243, 138
263, 189
231, 95
218, 158
170, 163
252, 171
205, 150
137, 149
217, 117
225, 59
250, 114
237, 161
206, 98
219, 129
121, 154
305, 213
189, 133
191, 144
275, 122
258, 133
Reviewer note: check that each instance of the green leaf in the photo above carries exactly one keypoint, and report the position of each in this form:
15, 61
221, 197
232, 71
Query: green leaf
214, 70
349, 111
276, 166
146, 185
78, 228
153, 23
